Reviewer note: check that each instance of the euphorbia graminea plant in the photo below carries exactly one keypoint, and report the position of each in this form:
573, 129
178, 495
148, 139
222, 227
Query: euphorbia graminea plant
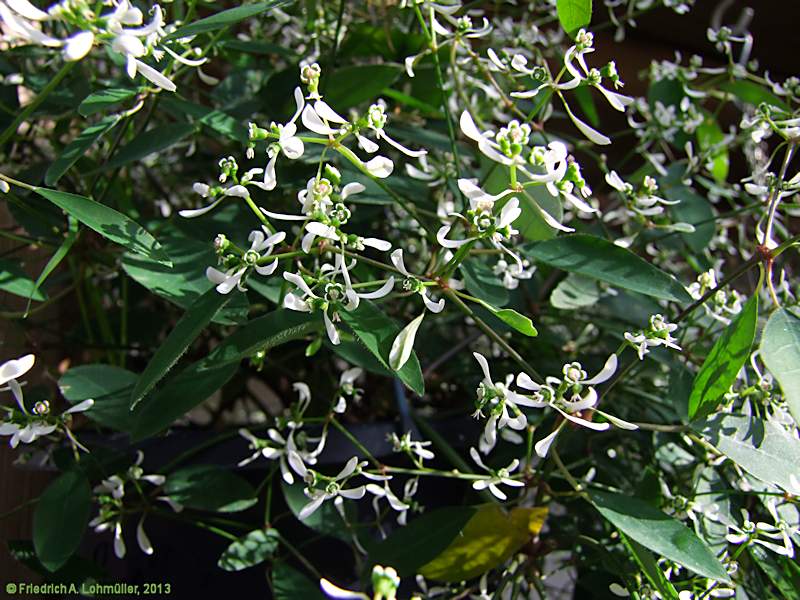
409, 277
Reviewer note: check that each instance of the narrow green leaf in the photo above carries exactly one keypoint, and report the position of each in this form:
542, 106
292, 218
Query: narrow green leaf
659, 532
15, 281
211, 488
752, 93
584, 97
108, 222
217, 120
60, 519
77, 148
724, 362
377, 332
55, 260
149, 142
575, 291
574, 14
191, 324
482, 283
422, 540
780, 351
513, 319
782, 571
224, 19
600, 259
762, 448
650, 568
176, 397
249, 550
355, 84
695, 210
99, 101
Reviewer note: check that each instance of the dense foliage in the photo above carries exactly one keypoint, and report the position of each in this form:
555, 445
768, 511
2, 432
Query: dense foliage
453, 299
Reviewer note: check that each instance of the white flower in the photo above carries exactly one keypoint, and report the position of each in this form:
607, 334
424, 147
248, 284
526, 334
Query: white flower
500, 476
261, 246
287, 142
28, 433
333, 486
376, 120
12, 370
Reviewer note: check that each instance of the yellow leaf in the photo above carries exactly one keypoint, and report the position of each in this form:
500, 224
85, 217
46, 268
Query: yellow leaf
489, 538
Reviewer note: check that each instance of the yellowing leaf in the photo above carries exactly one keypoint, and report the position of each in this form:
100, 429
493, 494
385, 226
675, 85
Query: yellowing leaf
489, 538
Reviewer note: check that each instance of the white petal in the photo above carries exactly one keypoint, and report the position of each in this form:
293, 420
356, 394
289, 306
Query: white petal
397, 261
487, 376
14, 369
326, 112
617, 101
79, 45
380, 167
333, 335
542, 447
352, 188
154, 76
524, 381
80, 407
441, 237
312, 121
382, 291
293, 147
605, 374
196, 212
142, 539
366, 144
377, 243
27, 10
337, 592
403, 149
403, 344
434, 307
119, 543
469, 128
592, 134
353, 493
311, 507
584, 422
348, 469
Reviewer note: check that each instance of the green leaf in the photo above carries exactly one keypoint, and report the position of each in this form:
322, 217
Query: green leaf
326, 519
574, 14
482, 283
650, 568
108, 385
575, 291
191, 324
60, 519
586, 102
659, 532
710, 135
377, 332
210, 488
149, 142
513, 319
724, 362
783, 572
249, 550
55, 260
263, 333
217, 120
352, 85
224, 19
99, 101
183, 282
752, 93
762, 448
177, 397
290, 584
409, 548
109, 223
15, 281
490, 538
600, 259
403, 344
77, 148
76, 570
780, 351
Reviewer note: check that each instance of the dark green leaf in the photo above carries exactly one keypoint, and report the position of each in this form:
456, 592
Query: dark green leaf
513, 319
659, 532
355, 84
780, 351
149, 142
326, 519
709, 135
482, 283
586, 102
14, 281
290, 584
196, 318
211, 488
224, 19
77, 148
724, 362
176, 397
60, 519
249, 550
783, 572
574, 14
101, 100
377, 332
109, 223
185, 281
56, 258
650, 568
600, 259
696, 211
575, 291
762, 448
217, 120
76, 570
423, 539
